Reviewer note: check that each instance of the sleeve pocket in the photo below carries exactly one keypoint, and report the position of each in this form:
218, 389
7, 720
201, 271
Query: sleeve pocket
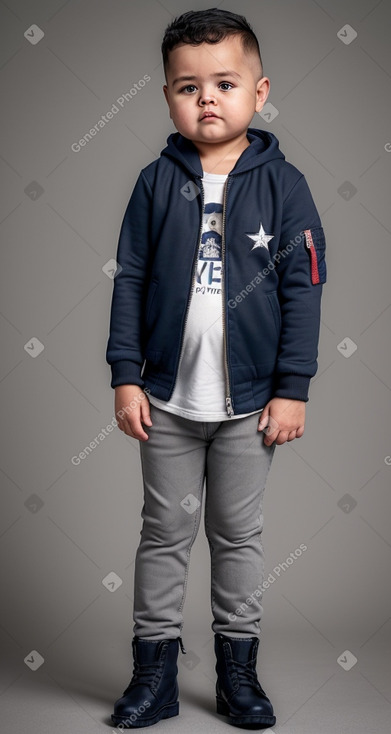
316, 246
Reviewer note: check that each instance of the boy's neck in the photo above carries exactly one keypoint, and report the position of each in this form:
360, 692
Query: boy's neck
220, 158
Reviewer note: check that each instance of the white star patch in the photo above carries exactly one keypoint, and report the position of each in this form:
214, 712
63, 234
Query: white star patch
261, 239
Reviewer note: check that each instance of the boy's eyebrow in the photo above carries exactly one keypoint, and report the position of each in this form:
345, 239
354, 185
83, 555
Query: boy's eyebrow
217, 74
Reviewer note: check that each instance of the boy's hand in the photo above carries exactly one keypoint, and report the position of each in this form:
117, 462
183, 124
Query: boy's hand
132, 409
283, 419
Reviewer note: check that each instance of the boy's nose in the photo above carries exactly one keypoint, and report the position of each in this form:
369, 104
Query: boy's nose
206, 99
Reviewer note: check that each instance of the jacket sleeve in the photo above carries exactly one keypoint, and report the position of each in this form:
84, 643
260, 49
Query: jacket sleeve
301, 268
124, 351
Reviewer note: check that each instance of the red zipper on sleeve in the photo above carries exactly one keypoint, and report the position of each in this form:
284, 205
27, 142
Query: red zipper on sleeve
314, 260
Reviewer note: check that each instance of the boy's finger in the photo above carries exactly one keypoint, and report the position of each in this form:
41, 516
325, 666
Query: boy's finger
138, 432
263, 420
272, 430
145, 413
269, 425
134, 424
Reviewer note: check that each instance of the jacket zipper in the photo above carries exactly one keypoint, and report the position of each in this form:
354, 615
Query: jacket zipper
228, 399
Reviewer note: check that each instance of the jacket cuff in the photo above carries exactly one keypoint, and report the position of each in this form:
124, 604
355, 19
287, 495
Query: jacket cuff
293, 387
125, 372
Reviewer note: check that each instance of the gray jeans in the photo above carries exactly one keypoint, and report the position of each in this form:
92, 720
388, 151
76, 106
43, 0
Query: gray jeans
178, 459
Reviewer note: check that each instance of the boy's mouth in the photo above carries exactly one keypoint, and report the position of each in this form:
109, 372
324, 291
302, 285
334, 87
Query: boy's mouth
207, 114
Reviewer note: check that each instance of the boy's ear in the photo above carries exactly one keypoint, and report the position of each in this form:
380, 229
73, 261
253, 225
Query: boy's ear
263, 88
165, 88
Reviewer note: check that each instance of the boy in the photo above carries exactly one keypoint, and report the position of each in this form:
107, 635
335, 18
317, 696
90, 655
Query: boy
215, 315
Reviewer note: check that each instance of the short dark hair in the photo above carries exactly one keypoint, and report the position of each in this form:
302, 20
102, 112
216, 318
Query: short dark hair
208, 26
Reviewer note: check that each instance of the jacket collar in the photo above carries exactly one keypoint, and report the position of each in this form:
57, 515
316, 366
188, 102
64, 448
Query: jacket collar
264, 147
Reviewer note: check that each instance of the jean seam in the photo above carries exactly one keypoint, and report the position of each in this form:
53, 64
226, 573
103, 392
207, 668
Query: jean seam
197, 518
212, 564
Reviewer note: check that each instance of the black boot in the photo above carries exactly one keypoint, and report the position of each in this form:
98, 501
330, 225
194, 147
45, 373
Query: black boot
152, 694
239, 694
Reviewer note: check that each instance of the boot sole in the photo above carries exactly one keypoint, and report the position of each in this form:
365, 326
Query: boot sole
260, 721
165, 713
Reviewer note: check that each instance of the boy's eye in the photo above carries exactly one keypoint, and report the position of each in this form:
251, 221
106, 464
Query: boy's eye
192, 86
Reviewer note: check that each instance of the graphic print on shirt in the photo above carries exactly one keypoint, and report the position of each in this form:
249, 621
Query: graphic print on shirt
208, 277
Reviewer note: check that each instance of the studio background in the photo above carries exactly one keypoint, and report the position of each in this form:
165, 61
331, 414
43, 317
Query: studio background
69, 530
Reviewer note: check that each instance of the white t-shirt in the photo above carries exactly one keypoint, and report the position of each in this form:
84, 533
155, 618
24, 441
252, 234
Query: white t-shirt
199, 392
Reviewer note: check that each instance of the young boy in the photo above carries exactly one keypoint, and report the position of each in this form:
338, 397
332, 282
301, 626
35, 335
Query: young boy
215, 316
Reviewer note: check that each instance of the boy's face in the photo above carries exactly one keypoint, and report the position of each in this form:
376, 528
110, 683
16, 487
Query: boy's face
214, 88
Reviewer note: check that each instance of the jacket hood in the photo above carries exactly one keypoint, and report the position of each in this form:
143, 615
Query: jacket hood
264, 147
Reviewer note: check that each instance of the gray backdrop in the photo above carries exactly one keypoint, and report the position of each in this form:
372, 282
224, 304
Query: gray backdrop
69, 528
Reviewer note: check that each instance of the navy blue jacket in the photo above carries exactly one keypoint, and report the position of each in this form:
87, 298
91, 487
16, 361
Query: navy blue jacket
273, 268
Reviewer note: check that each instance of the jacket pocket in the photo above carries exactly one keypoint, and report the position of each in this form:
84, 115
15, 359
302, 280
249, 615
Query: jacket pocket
315, 243
274, 303
150, 299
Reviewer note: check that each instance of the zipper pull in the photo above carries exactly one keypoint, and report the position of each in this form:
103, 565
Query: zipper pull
181, 644
228, 403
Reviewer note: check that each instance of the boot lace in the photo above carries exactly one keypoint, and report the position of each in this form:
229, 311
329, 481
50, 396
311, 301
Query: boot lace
142, 675
247, 674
